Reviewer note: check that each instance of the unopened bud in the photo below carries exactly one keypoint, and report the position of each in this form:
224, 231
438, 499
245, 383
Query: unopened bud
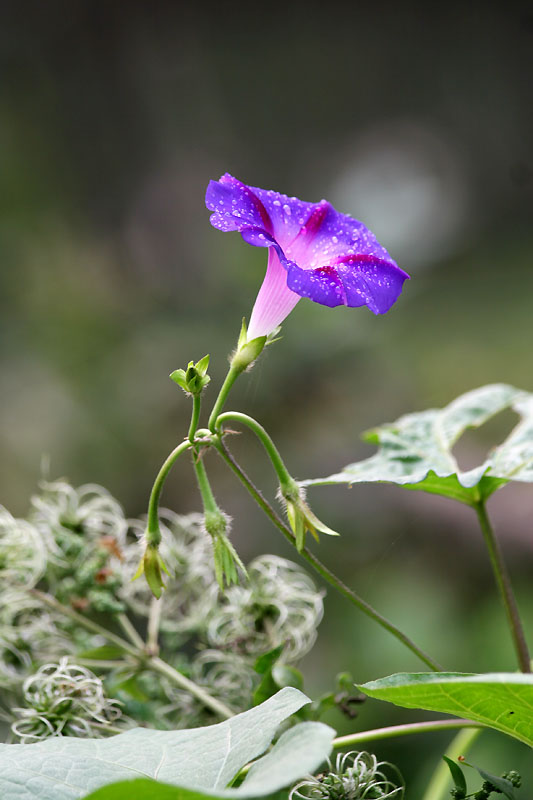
194, 379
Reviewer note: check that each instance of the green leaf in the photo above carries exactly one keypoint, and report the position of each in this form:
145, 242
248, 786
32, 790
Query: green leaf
132, 688
506, 787
145, 790
285, 675
457, 774
416, 451
298, 752
203, 760
263, 666
503, 701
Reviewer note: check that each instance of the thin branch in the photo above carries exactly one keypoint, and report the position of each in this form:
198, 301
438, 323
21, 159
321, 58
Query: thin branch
326, 573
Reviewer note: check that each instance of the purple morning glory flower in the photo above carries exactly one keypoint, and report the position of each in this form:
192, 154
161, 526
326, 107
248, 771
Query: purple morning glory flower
314, 252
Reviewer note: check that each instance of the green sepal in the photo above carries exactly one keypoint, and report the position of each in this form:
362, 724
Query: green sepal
178, 376
152, 565
226, 562
302, 519
243, 335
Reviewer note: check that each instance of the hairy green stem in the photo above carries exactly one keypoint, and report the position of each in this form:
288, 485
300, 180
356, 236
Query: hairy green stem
441, 780
284, 477
403, 730
208, 498
155, 663
195, 416
503, 582
329, 576
231, 377
152, 528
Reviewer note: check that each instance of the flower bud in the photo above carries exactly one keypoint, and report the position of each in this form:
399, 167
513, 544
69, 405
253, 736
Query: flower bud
194, 379
227, 560
152, 565
300, 517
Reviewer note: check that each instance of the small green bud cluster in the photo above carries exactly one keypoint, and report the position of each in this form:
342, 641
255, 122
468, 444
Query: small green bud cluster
194, 379
64, 699
356, 775
513, 777
491, 784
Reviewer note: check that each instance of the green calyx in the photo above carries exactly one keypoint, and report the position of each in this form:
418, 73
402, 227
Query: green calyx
300, 517
227, 560
247, 350
152, 566
194, 379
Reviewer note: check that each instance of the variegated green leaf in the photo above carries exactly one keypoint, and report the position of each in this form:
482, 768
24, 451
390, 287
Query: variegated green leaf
416, 450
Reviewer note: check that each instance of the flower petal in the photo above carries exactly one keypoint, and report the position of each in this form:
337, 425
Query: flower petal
371, 282
274, 300
235, 206
355, 281
328, 235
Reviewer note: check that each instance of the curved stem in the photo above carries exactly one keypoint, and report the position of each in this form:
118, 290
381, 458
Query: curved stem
153, 505
329, 576
271, 449
196, 406
394, 731
231, 377
439, 785
505, 588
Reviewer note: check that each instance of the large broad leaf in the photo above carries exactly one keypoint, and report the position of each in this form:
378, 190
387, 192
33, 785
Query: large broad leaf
503, 701
415, 451
204, 760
